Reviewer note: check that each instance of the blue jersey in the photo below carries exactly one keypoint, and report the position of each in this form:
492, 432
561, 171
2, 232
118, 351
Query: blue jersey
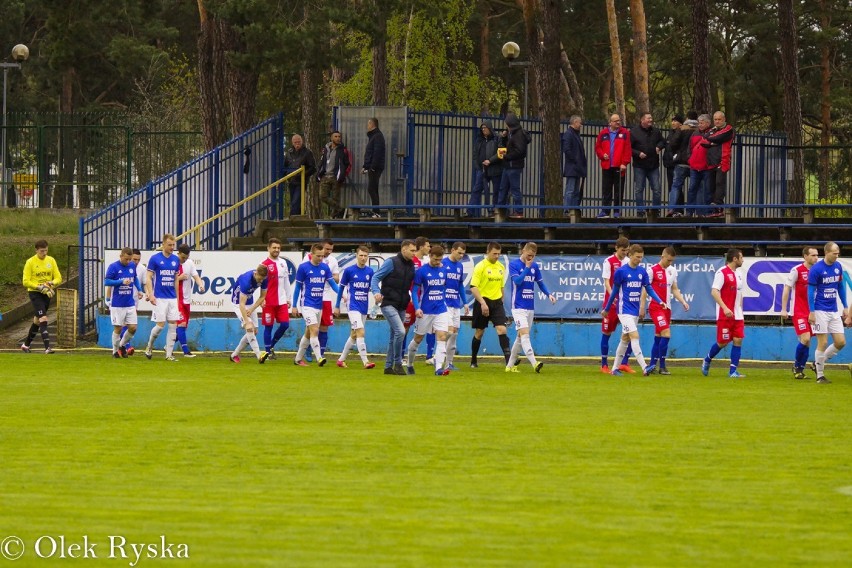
165, 271
524, 281
123, 295
454, 294
358, 280
246, 284
311, 281
825, 286
627, 285
432, 281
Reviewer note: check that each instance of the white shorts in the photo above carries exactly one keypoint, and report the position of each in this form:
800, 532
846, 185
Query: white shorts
311, 315
629, 323
356, 319
523, 318
454, 317
431, 323
252, 316
827, 322
122, 316
165, 310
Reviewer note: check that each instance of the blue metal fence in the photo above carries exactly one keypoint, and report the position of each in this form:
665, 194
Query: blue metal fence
182, 199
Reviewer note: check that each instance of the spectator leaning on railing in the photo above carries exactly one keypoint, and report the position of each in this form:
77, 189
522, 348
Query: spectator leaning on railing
718, 144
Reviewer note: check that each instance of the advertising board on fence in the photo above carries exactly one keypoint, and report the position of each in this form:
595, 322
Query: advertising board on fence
574, 280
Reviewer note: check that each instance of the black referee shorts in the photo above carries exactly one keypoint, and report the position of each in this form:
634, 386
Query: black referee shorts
496, 314
40, 302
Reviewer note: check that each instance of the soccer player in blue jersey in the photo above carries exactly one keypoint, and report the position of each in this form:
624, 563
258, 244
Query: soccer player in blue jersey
161, 288
627, 287
825, 286
356, 280
121, 278
430, 309
455, 297
525, 273
241, 296
311, 276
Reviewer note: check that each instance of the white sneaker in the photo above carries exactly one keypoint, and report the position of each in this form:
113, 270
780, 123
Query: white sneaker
430, 361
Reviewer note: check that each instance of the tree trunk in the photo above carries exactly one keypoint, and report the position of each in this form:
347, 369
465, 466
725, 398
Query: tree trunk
826, 55
63, 193
484, 52
615, 51
241, 81
380, 74
315, 138
640, 57
211, 81
605, 92
792, 101
542, 22
571, 85
702, 101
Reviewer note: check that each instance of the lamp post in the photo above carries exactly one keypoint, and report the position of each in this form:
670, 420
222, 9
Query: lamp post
511, 51
19, 53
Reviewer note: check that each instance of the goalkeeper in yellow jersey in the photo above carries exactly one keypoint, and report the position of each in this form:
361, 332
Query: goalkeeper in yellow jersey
41, 277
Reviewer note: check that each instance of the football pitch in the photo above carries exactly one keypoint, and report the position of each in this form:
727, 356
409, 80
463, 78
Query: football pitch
274, 465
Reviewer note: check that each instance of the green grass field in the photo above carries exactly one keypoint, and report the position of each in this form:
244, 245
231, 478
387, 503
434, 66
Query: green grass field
280, 466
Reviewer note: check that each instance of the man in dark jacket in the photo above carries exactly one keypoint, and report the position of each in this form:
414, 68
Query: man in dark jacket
646, 143
374, 161
574, 164
298, 155
514, 160
486, 179
675, 160
331, 174
699, 168
390, 286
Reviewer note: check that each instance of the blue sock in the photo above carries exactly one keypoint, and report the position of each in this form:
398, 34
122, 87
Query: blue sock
279, 333
802, 353
604, 349
664, 351
628, 354
430, 345
267, 337
181, 336
736, 351
323, 339
713, 352
655, 350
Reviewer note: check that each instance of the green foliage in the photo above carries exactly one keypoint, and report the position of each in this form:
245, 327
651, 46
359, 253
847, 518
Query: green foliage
250, 465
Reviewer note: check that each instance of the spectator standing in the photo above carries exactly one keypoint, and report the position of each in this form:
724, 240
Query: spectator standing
331, 173
646, 143
675, 160
699, 168
719, 143
612, 148
573, 163
295, 157
374, 161
514, 160
486, 179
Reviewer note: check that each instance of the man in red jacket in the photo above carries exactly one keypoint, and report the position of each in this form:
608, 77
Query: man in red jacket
699, 168
613, 150
719, 143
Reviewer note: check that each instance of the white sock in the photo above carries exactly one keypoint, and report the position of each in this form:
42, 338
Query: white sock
115, 339
819, 359
303, 347
831, 352
125, 339
252, 342
515, 353
637, 352
240, 346
412, 352
619, 353
171, 337
315, 346
440, 354
362, 349
344, 353
155, 331
451, 347
528, 349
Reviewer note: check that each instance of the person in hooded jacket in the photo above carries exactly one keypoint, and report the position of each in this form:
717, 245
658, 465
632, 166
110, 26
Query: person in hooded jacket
514, 160
485, 177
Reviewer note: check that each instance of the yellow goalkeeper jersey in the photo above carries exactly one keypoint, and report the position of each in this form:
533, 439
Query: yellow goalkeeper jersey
39, 271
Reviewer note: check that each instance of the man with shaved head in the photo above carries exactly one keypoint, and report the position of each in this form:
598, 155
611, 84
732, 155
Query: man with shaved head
299, 155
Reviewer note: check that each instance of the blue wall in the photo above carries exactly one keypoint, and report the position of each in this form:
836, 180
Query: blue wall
569, 339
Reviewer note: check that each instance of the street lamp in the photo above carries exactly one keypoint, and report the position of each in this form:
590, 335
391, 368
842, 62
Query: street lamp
511, 51
19, 53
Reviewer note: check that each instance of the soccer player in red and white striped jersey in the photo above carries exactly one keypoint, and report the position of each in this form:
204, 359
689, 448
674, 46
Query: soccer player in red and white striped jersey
276, 306
663, 277
797, 280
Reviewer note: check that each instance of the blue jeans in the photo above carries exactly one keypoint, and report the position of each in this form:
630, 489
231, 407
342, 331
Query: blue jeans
511, 181
680, 173
394, 318
653, 178
481, 183
697, 191
572, 192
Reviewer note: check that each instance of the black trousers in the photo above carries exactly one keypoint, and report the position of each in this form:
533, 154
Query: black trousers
613, 189
373, 186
